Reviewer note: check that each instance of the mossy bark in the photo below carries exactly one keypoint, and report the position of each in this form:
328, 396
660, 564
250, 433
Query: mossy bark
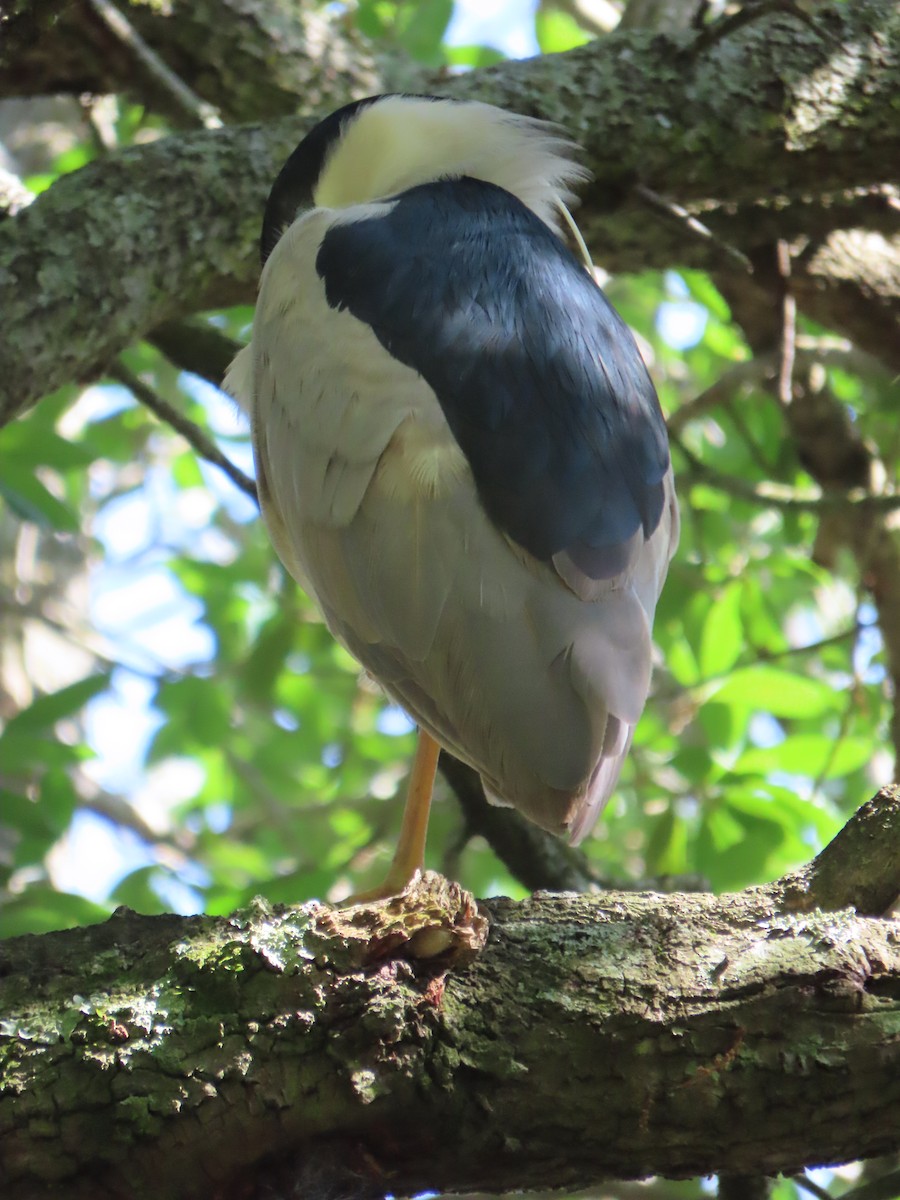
592, 1037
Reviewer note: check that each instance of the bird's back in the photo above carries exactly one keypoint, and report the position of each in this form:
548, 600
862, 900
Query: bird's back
462, 458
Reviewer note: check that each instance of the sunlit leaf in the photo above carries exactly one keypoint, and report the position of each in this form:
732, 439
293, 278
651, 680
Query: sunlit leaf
557, 31
809, 755
782, 693
723, 633
473, 56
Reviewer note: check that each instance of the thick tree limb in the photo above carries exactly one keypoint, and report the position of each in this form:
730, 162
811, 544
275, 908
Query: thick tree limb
250, 59
610, 1036
169, 228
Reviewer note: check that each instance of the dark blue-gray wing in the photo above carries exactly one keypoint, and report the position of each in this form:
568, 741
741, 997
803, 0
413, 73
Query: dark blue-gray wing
538, 377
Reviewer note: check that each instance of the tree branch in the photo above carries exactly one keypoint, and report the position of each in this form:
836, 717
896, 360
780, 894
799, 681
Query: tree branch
193, 434
192, 109
831, 448
172, 227
603, 1037
195, 346
773, 495
246, 59
536, 858
859, 869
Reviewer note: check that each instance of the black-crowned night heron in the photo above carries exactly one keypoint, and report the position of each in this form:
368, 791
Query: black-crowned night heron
460, 454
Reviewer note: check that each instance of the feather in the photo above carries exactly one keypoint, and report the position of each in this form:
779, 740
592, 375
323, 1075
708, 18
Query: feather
459, 452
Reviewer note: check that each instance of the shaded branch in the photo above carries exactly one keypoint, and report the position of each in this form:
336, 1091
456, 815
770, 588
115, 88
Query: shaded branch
196, 346
885, 1187
810, 1186
743, 1187
537, 859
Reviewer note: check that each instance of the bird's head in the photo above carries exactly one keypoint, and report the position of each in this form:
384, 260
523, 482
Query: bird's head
375, 148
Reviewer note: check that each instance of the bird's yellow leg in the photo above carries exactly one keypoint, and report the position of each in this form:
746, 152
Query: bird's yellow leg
409, 857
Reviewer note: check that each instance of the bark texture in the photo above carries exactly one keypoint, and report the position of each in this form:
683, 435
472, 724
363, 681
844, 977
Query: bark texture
250, 59
779, 123
591, 1037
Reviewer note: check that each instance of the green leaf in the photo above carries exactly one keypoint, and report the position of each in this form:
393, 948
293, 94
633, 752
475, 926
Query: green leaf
779, 692
267, 659
724, 829
374, 17
704, 291
32, 753
557, 31
32, 501
44, 712
186, 471
199, 715
137, 891
473, 56
812, 755
723, 633
40, 909
421, 28
31, 442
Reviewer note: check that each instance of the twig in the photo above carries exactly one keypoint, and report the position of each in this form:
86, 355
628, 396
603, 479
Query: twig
781, 497
761, 370
198, 111
686, 220
859, 868
807, 1184
788, 326
749, 14
119, 812
742, 374
192, 433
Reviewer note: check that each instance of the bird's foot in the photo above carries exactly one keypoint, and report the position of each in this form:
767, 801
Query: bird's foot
397, 883
431, 917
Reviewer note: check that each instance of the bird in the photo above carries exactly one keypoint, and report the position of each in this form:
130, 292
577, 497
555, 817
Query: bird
460, 454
